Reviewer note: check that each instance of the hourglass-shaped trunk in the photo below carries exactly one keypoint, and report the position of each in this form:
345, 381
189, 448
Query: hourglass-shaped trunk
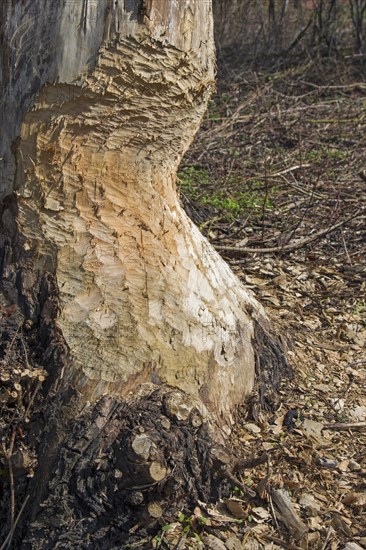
101, 100
143, 296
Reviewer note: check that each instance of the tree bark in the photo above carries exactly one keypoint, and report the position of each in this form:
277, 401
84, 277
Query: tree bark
149, 339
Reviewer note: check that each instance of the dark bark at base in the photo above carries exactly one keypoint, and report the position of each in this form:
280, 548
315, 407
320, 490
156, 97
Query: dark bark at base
271, 368
103, 494
110, 473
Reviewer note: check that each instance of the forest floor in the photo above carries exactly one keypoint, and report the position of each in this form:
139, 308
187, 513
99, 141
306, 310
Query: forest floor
276, 180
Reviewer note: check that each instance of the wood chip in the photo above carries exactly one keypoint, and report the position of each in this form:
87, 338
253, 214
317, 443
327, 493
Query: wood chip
213, 543
287, 513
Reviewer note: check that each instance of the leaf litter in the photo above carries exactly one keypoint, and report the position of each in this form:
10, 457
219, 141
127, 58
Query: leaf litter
268, 136
297, 238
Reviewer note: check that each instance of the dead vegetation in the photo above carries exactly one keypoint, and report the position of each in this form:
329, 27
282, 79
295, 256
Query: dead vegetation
289, 149
262, 29
276, 180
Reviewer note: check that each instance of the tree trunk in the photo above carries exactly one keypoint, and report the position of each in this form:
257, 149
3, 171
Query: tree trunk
149, 339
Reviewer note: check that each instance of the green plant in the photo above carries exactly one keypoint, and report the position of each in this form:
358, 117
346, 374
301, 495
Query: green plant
190, 524
158, 539
236, 204
222, 203
359, 308
232, 201
238, 492
323, 153
191, 178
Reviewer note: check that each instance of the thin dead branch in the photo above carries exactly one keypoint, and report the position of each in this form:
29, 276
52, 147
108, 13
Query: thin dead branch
287, 247
340, 426
7, 542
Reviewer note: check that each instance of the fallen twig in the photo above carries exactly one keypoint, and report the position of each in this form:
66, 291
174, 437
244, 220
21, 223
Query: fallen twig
332, 120
345, 425
8, 454
11, 478
32, 398
235, 481
287, 247
287, 170
7, 541
327, 538
352, 87
281, 542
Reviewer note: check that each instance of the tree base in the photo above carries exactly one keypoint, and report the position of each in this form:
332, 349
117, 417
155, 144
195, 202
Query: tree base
126, 469
114, 471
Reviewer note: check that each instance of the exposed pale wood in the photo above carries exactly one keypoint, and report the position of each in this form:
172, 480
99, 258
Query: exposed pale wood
148, 338
179, 407
157, 471
116, 102
155, 510
143, 446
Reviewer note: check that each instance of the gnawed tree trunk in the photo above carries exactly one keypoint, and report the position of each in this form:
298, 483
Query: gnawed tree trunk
149, 338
